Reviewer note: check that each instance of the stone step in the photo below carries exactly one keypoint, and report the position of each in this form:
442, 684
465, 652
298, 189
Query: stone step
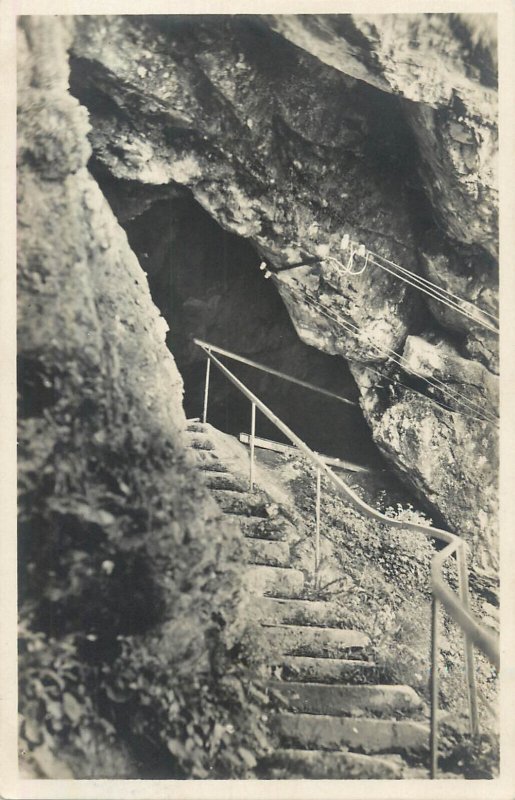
242, 503
207, 459
339, 699
212, 465
195, 426
274, 554
319, 764
264, 528
218, 479
299, 640
198, 442
320, 613
329, 670
276, 581
366, 735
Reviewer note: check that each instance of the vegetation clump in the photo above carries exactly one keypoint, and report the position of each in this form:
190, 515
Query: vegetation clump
380, 577
135, 655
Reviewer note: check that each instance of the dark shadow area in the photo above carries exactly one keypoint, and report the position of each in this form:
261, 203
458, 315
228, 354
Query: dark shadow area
207, 284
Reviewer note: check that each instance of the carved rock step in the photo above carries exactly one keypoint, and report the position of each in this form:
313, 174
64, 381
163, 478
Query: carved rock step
366, 735
242, 503
220, 479
334, 699
275, 581
318, 764
277, 529
199, 442
208, 461
274, 611
329, 670
274, 554
199, 437
195, 426
298, 640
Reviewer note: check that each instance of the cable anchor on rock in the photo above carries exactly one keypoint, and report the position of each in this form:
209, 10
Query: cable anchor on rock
361, 251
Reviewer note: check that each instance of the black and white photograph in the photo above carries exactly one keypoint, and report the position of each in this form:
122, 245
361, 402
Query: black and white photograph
258, 323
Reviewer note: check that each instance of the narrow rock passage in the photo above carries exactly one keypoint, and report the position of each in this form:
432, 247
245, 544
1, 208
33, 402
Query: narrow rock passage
336, 718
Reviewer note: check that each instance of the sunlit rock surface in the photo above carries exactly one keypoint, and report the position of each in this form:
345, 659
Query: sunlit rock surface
468, 382
446, 457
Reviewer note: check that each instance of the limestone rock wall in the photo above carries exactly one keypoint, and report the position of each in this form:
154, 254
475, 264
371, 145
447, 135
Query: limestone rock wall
294, 131
444, 65
290, 132
128, 581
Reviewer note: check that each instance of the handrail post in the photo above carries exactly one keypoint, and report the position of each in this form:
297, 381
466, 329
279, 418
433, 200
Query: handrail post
470, 675
477, 634
433, 740
317, 525
252, 443
206, 389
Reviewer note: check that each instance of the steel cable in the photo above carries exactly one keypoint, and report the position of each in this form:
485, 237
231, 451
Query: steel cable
397, 358
424, 285
401, 361
436, 296
428, 283
432, 285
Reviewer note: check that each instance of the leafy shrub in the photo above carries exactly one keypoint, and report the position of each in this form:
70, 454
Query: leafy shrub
401, 648
474, 757
403, 557
382, 586
131, 591
212, 724
57, 709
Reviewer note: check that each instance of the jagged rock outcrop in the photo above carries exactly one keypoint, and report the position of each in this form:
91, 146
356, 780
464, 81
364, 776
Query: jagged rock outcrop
130, 586
444, 65
444, 364
293, 131
227, 121
448, 460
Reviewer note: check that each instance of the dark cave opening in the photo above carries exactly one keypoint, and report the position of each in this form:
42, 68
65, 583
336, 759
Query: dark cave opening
206, 281
207, 284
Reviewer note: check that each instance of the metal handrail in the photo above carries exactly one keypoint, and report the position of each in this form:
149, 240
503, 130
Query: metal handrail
457, 607
271, 371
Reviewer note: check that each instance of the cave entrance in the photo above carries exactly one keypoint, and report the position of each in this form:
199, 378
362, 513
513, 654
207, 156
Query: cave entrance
207, 284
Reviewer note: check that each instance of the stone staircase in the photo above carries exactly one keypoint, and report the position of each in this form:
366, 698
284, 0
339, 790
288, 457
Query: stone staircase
336, 719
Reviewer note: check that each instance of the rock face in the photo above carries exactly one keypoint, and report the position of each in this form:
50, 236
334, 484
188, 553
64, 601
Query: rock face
448, 458
294, 131
252, 159
128, 580
444, 65
291, 133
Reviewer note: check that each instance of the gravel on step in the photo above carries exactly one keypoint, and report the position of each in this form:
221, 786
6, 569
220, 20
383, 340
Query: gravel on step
317, 764
338, 699
320, 613
329, 670
273, 554
276, 581
303, 640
